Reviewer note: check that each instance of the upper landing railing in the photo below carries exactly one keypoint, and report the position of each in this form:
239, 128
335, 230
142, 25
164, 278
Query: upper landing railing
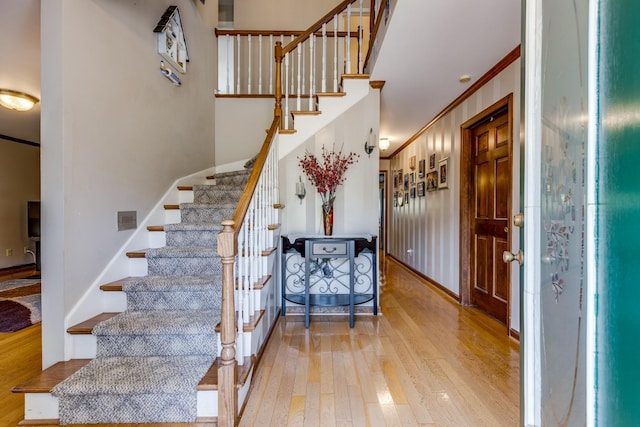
293, 66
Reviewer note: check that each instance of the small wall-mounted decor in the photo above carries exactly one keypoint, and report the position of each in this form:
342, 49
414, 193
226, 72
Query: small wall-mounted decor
420, 189
412, 162
421, 165
443, 166
406, 198
172, 45
432, 161
173, 77
432, 181
413, 192
406, 181
399, 181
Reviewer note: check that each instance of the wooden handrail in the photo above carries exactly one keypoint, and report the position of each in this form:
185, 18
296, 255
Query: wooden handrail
228, 249
372, 36
252, 182
317, 26
279, 33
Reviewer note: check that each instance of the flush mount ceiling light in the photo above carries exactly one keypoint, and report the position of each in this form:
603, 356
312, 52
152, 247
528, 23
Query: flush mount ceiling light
19, 101
383, 143
464, 78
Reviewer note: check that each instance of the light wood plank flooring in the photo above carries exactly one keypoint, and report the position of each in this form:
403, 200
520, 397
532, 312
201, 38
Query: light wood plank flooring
426, 361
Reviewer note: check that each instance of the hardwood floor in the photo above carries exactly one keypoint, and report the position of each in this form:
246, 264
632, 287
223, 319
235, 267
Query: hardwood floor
426, 361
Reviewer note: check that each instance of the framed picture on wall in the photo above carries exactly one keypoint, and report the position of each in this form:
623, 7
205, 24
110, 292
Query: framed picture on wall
420, 189
421, 165
432, 161
406, 181
413, 192
443, 173
432, 181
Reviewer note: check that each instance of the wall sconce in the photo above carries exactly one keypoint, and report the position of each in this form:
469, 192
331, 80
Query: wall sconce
383, 144
300, 190
368, 144
19, 101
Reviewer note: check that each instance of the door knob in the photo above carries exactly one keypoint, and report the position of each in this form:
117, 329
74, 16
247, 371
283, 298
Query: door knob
518, 220
508, 257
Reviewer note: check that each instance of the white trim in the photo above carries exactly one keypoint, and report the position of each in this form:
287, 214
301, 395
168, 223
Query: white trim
590, 232
531, 371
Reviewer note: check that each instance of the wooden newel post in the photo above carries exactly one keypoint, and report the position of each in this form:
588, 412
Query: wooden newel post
227, 391
277, 112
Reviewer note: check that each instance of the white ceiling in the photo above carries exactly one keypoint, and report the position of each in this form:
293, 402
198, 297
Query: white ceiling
429, 44
20, 65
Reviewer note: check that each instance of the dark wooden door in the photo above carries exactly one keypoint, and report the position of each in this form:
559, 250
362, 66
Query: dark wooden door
490, 225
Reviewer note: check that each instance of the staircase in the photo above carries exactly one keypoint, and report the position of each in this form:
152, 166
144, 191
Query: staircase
155, 362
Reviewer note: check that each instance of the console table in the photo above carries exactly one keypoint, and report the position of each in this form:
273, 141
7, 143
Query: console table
329, 271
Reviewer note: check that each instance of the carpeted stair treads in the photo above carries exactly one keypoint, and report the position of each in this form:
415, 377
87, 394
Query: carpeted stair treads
151, 357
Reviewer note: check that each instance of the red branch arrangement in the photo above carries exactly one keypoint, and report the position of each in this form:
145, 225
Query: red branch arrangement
327, 174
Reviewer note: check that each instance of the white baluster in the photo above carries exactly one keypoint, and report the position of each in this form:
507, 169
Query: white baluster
229, 45
249, 64
238, 71
312, 42
361, 29
324, 58
270, 63
286, 91
335, 53
292, 69
299, 49
260, 63
347, 50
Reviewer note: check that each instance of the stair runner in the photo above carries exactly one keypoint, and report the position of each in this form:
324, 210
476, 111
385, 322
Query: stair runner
151, 357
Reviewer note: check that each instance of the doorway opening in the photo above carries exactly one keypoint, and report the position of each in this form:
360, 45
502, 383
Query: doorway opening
485, 210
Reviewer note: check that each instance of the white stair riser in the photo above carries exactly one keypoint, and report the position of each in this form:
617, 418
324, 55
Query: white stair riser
138, 267
40, 406
207, 405
157, 239
185, 196
172, 216
114, 301
83, 346
44, 406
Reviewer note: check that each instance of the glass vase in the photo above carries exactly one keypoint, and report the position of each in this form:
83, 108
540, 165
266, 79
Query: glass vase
327, 218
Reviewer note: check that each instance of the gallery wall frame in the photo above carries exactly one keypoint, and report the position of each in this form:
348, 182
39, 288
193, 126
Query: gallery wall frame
443, 173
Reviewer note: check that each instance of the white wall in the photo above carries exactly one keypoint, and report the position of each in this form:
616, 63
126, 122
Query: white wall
287, 15
356, 204
241, 125
425, 235
115, 134
19, 183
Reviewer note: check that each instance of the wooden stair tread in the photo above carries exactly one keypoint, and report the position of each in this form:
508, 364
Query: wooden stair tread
268, 252
305, 113
261, 283
155, 228
251, 325
47, 379
210, 379
185, 187
278, 206
86, 327
116, 285
140, 253
355, 76
287, 131
171, 207
332, 94
273, 227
